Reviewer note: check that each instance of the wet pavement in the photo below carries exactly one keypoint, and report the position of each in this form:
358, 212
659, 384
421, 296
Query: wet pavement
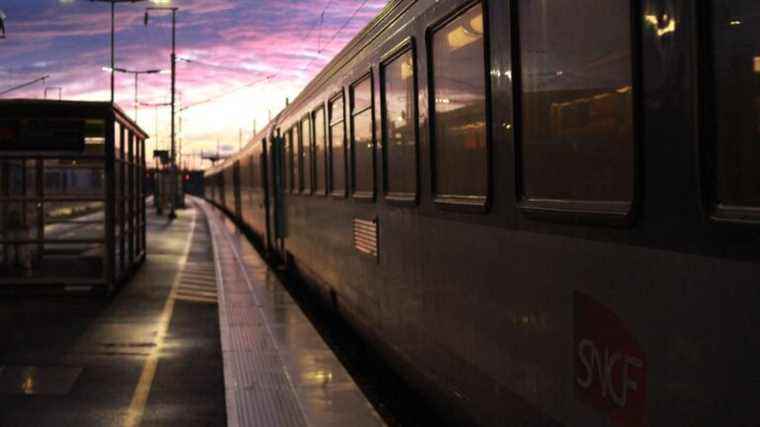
150, 355
278, 369
163, 352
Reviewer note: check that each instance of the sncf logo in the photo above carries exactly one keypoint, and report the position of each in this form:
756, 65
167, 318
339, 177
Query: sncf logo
610, 368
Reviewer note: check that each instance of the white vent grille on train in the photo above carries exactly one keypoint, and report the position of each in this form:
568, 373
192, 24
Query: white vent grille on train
365, 236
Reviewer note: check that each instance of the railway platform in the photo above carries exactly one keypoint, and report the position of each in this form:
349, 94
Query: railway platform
203, 335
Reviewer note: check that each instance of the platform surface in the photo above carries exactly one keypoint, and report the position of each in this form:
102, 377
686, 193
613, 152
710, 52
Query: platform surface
278, 369
150, 355
204, 335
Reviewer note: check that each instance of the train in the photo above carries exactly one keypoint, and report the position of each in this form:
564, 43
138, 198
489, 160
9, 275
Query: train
539, 213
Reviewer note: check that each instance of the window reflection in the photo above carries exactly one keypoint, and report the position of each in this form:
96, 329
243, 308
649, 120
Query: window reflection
307, 155
362, 143
298, 142
399, 123
577, 100
363, 152
320, 172
737, 89
459, 107
337, 149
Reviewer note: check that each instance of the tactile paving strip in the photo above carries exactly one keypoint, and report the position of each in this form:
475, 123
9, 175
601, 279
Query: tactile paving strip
258, 390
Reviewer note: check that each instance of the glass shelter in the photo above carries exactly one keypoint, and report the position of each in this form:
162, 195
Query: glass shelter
72, 205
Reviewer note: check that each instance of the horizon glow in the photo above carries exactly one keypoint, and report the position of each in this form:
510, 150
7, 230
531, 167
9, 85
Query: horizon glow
221, 47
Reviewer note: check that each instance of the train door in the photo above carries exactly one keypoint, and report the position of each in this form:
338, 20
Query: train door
263, 170
277, 188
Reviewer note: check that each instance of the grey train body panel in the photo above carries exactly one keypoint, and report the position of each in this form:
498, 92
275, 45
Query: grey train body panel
512, 310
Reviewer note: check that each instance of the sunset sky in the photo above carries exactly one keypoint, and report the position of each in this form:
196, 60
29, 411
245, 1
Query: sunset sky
281, 44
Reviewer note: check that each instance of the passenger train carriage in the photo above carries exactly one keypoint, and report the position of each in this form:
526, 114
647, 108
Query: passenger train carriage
540, 212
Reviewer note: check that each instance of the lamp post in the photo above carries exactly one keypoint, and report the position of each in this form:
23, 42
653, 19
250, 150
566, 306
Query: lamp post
135, 73
173, 167
113, 25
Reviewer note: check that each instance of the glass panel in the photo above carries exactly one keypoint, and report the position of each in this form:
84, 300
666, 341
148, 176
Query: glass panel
307, 160
362, 93
399, 132
74, 220
363, 150
94, 146
51, 261
299, 155
337, 147
577, 101
736, 28
319, 151
461, 156
336, 110
337, 159
74, 178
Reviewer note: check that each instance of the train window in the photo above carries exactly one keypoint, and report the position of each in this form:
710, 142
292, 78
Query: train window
320, 154
458, 104
362, 140
288, 163
298, 142
307, 154
399, 117
337, 147
736, 69
577, 106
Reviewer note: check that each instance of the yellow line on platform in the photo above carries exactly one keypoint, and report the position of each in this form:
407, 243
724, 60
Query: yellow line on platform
142, 391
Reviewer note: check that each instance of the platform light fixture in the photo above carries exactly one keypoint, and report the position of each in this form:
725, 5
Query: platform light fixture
135, 73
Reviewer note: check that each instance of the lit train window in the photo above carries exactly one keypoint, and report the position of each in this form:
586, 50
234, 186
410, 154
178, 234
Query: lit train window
736, 55
362, 141
306, 158
458, 105
399, 116
298, 142
577, 105
337, 147
320, 154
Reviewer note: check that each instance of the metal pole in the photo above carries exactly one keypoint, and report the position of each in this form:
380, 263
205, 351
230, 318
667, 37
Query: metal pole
172, 212
113, 59
136, 74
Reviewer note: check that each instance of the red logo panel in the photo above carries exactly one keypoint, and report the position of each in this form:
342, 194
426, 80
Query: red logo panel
610, 367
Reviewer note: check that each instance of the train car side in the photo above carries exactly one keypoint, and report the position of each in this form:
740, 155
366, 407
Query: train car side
627, 300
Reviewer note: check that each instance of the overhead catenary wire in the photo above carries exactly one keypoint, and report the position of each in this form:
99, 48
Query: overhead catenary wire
278, 73
335, 35
21, 86
225, 94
